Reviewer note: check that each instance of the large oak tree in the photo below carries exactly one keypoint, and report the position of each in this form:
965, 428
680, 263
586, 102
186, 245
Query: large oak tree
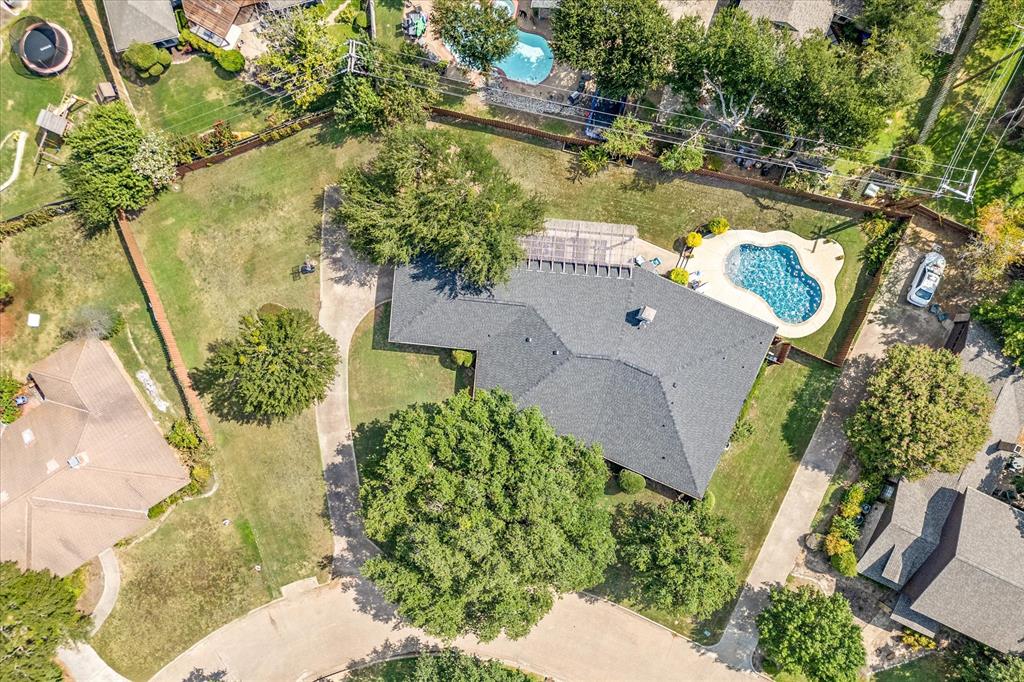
625, 44
484, 514
922, 413
432, 193
479, 33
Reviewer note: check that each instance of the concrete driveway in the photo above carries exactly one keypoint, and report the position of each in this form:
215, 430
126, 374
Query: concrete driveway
891, 320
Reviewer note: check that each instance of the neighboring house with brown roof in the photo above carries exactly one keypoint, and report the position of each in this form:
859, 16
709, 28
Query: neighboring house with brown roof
80, 470
218, 21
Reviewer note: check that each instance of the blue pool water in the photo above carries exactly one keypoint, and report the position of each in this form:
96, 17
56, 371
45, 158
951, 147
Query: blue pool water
774, 273
531, 61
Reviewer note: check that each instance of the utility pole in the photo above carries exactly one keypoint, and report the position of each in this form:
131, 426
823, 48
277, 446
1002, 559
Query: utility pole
370, 20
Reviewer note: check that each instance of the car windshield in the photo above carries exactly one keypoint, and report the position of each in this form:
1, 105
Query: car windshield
924, 294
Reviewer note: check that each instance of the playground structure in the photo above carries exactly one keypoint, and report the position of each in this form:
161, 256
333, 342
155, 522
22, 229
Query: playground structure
54, 123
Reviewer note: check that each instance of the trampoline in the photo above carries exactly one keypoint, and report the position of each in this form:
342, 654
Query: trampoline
45, 48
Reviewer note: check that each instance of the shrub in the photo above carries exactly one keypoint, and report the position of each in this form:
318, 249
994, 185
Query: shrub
36, 218
94, 322
592, 161
718, 225
627, 137
715, 163
1005, 317
631, 482
684, 158
179, 16
741, 430
462, 358
360, 22
679, 276
845, 527
852, 501
917, 158
6, 286
694, 239
9, 387
183, 436
836, 544
845, 563
883, 235
147, 60
231, 61
916, 641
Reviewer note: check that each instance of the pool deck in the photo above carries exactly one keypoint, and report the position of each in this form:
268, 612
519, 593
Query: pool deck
821, 259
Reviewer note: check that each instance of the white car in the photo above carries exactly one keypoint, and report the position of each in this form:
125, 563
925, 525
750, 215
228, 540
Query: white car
926, 281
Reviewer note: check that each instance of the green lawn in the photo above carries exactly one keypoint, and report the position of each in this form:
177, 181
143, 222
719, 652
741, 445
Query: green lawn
1005, 176
191, 97
753, 476
930, 668
24, 94
56, 270
665, 209
386, 377
388, 15
226, 244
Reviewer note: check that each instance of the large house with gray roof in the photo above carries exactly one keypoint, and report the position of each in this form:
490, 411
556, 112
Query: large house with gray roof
613, 354
953, 551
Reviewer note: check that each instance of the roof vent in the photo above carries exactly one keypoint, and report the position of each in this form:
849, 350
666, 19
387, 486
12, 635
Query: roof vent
647, 314
78, 460
28, 437
528, 339
554, 352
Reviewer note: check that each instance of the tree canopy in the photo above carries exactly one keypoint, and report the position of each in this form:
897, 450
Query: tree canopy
1005, 316
484, 515
279, 364
429, 192
922, 413
1000, 240
37, 616
480, 34
399, 91
99, 172
624, 43
915, 22
806, 631
301, 58
451, 665
681, 556
627, 138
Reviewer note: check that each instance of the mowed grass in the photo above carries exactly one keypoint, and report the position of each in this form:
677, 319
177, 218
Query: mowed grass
752, 478
930, 668
24, 94
664, 208
386, 377
56, 271
224, 245
191, 97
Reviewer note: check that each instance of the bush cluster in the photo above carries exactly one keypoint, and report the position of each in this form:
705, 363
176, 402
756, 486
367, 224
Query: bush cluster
231, 61
631, 482
281, 133
149, 61
592, 160
195, 454
741, 430
694, 239
36, 218
189, 148
462, 358
844, 531
916, 641
883, 235
94, 322
9, 387
718, 225
679, 276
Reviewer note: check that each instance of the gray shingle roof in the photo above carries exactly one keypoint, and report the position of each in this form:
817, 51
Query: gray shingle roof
977, 586
661, 399
955, 551
803, 16
139, 21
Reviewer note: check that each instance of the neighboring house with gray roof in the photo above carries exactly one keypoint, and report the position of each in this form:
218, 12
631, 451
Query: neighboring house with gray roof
799, 16
921, 543
661, 397
140, 21
81, 468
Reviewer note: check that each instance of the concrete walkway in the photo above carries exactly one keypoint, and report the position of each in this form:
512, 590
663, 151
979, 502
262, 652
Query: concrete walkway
891, 320
111, 588
19, 151
83, 664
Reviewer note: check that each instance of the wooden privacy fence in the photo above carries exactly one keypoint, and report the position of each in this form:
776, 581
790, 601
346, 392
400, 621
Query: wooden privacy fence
163, 325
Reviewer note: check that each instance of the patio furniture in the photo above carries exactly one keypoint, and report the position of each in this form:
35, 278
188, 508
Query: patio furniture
655, 262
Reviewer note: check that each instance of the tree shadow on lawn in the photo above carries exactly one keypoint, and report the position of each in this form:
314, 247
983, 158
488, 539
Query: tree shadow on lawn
808, 406
464, 376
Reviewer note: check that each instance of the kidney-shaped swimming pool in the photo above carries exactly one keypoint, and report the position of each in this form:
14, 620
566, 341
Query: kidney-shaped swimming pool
774, 273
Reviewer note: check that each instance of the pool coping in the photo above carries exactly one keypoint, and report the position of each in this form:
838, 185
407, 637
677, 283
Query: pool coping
822, 261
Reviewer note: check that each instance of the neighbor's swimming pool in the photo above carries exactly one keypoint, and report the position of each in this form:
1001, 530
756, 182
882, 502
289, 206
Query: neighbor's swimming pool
774, 273
531, 61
